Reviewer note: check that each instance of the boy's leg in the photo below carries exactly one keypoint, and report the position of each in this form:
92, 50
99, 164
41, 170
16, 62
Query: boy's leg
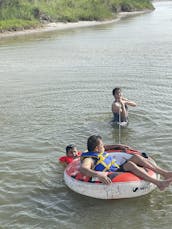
146, 163
140, 172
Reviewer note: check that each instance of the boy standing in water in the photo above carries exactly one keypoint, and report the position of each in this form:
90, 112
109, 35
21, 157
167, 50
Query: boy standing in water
120, 106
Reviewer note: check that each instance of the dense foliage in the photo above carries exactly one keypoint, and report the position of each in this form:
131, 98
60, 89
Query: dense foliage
17, 14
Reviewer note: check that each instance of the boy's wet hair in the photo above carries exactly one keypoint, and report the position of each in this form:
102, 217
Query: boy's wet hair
69, 147
92, 142
115, 90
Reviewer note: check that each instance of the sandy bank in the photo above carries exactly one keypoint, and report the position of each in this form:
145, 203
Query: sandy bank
63, 26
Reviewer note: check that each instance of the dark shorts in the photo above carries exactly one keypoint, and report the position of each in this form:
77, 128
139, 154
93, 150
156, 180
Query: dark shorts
116, 118
121, 168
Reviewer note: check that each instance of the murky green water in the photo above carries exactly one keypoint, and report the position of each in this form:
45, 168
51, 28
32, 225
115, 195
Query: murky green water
56, 89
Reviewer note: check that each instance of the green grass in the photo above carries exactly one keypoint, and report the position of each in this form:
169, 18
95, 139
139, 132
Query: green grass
17, 24
18, 14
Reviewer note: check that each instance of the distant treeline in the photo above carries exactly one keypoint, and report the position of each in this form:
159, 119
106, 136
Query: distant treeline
23, 14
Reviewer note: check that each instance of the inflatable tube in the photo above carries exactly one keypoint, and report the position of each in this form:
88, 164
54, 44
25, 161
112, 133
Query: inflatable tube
65, 160
124, 185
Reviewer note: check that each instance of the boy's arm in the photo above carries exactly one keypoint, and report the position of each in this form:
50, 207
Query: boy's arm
129, 102
86, 169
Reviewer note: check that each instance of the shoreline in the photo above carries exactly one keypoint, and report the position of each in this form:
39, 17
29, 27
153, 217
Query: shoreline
55, 26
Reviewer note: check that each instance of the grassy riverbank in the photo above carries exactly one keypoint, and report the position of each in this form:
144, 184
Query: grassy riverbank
24, 14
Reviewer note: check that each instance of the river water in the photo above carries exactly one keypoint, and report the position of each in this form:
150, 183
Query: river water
55, 90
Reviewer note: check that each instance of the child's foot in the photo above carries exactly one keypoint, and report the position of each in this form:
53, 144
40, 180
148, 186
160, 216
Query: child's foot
168, 175
163, 184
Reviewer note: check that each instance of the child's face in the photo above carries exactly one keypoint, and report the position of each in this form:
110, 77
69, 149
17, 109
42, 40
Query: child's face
72, 152
118, 94
100, 148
